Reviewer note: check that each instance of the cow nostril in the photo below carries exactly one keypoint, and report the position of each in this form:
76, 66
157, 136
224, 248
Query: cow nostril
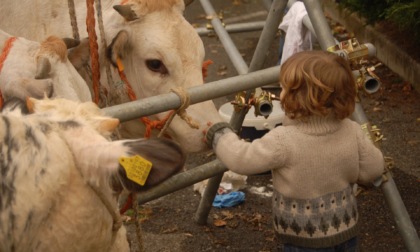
156, 66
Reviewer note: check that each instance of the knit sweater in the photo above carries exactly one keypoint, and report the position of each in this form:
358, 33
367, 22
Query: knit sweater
313, 164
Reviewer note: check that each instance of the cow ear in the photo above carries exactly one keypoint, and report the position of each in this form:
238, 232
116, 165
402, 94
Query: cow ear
15, 104
126, 11
43, 68
108, 125
70, 42
165, 156
30, 104
79, 55
188, 2
119, 47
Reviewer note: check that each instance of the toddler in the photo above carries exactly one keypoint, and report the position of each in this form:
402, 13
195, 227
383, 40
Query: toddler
315, 156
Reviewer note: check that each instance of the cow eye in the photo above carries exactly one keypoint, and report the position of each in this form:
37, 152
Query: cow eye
156, 66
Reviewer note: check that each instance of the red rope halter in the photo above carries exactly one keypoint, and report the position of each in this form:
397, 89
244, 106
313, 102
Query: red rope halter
93, 45
150, 124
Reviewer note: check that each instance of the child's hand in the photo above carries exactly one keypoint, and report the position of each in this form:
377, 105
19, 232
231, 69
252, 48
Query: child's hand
216, 129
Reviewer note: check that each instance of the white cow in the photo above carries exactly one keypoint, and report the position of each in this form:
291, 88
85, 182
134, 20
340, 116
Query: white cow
36, 69
159, 49
56, 165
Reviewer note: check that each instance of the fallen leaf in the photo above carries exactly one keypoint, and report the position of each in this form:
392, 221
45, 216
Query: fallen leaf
221, 73
219, 223
222, 67
126, 218
169, 230
236, 2
269, 239
144, 214
233, 223
407, 87
257, 217
227, 215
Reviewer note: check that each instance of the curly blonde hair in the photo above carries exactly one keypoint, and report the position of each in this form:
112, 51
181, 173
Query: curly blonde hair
317, 83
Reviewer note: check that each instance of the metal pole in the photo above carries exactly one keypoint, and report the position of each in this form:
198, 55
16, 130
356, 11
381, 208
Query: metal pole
392, 196
266, 38
398, 210
268, 34
207, 199
321, 27
256, 14
267, 4
164, 102
306, 21
229, 46
233, 28
274, 17
182, 180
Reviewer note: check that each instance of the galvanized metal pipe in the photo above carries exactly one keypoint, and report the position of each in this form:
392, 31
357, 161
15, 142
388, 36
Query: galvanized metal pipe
207, 199
319, 22
234, 28
211, 90
182, 180
306, 21
401, 216
267, 4
275, 14
227, 42
393, 197
241, 18
265, 40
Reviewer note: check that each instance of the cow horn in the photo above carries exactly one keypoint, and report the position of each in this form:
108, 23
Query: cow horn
126, 12
188, 2
70, 43
43, 68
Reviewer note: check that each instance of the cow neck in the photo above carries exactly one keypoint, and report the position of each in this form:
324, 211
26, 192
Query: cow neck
116, 217
8, 44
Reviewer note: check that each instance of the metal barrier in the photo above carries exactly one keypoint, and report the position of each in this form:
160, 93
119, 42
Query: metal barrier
249, 81
164, 102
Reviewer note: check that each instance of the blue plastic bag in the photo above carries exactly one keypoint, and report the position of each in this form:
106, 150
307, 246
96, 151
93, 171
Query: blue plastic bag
229, 200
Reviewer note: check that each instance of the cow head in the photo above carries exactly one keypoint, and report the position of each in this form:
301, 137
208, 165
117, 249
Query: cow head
160, 51
83, 126
34, 69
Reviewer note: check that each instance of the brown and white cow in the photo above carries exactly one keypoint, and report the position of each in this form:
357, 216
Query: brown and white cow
159, 49
56, 165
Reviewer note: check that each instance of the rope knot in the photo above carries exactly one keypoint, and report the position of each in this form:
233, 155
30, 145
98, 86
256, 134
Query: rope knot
185, 103
181, 111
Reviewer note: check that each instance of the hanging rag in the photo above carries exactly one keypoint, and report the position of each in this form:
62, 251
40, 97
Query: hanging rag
298, 37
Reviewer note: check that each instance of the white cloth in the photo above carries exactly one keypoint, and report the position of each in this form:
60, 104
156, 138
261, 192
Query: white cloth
298, 37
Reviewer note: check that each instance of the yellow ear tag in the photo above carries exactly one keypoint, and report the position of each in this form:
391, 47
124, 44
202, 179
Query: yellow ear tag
137, 168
